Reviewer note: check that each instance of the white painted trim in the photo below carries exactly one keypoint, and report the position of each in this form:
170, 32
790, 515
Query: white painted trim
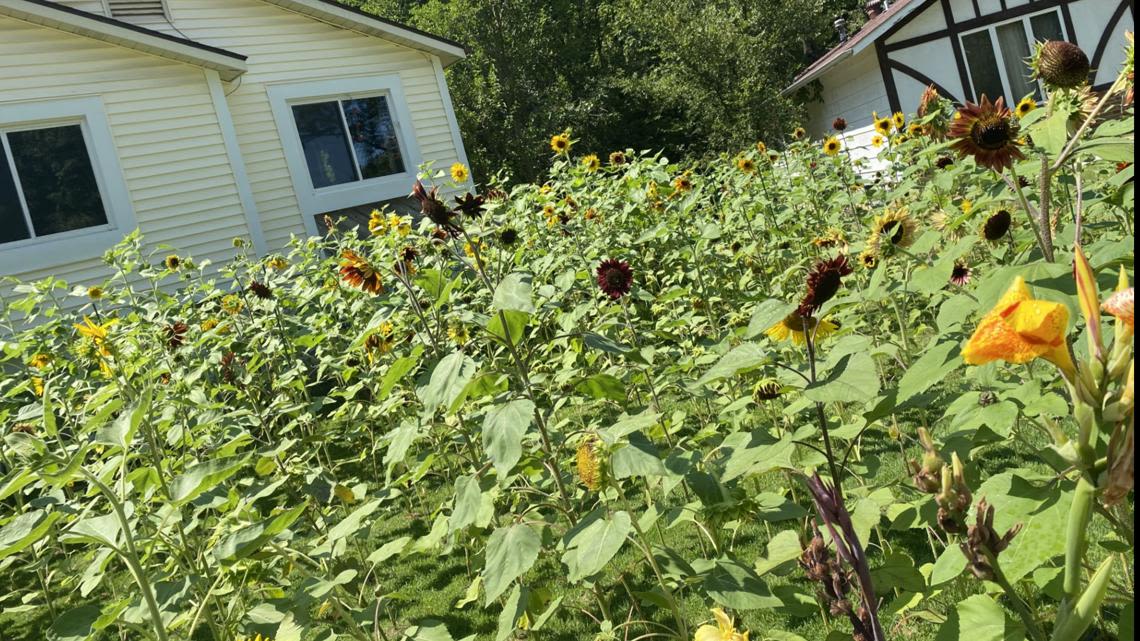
237, 164
81, 244
140, 39
349, 19
316, 201
452, 123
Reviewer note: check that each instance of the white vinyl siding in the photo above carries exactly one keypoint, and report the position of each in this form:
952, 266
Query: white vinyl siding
285, 48
165, 131
851, 90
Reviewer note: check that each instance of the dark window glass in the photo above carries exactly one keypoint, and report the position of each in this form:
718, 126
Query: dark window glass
1046, 26
57, 178
12, 224
983, 65
373, 136
1014, 53
323, 139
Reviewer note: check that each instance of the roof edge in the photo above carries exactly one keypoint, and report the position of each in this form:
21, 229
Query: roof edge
228, 64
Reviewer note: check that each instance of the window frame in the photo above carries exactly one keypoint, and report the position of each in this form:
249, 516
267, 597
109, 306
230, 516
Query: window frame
991, 28
39, 252
313, 200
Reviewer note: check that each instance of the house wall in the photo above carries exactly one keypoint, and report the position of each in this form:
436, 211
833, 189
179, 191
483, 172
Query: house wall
165, 132
286, 47
851, 90
1090, 20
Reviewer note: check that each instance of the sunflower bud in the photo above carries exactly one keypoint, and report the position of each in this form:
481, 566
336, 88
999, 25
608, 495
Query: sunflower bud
1060, 64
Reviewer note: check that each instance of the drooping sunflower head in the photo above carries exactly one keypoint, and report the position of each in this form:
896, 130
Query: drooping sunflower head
996, 225
172, 262
766, 390
943, 162
928, 102
839, 124
560, 143
833, 237
915, 130
508, 236
683, 183
831, 146
459, 173
260, 290
799, 133
893, 228
746, 164
823, 284
94, 292
987, 132
797, 327
1060, 64
898, 120
1025, 107
591, 163
615, 277
961, 273
359, 273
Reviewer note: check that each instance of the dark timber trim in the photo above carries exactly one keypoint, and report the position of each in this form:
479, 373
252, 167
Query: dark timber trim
977, 10
1105, 37
952, 31
924, 79
888, 76
1070, 28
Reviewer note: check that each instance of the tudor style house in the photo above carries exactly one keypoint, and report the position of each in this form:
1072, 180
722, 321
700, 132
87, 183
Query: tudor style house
198, 121
965, 48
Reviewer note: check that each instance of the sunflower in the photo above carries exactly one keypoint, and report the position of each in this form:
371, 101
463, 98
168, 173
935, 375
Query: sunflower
377, 223
406, 265
898, 120
928, 101
823, 283
831, 146
869, 258
833, 237
232, 304
877, 140
966, 206
683, 183
762, 148
277, 262
359, 273
261, 290
589, 465
172, 262
459, 173
944, 162
617, 158
433, 208
746, 164
794, 325
724, 630
773, 156
1025, 107
882, 125
95, 292
799, 133
961, 273
560, 143
615, 277
996, 226
915, 130
839, 124
766, 391
40, 361
896, 226
381, 341
175, 334
591, 163
987, 132
458, 333
1060, 64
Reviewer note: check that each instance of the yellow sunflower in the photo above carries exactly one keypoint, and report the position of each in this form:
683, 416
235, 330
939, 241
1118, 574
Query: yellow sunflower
746, 164
591, 163
761, 147
459, 173
882, 125
895, 226
794, 325
799, 133
898, 120
560, 143
1025, 107
877, 140
831, 146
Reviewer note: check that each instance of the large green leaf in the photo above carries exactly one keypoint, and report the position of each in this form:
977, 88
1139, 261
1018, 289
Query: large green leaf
246, 541
933, 366
597, 544
638, 458
739, 359
853, 379
448, 379
76, 624
503, 429
1043, 510
602, 386
512, 611
735, 586
767, 314
24, 530
514, 293
980, 618
204, 477
511, 551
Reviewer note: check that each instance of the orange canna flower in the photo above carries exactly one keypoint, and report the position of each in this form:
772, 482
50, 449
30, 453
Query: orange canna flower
1019, 329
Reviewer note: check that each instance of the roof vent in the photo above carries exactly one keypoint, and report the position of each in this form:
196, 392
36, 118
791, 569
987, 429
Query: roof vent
874, 8
841, 27
136, 9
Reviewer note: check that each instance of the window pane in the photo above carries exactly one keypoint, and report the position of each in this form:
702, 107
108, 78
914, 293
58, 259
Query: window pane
1046, 26
12, 225
1014, 53
323, 139
57, 178
373, 136
983, 65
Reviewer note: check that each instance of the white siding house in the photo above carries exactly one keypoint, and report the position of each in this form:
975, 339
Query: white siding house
198, 121
964, 48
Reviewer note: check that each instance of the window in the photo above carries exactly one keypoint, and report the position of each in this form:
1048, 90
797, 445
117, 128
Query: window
62, 194
996, 55
348, 140
47, 184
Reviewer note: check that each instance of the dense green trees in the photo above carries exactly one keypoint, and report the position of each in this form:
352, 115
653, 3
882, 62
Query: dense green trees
691, 77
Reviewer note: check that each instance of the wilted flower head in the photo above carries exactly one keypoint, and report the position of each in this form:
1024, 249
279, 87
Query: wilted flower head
1060, 64
175, 334
987, 132
984, 543
615, 277
928, 101
1122, 305
996, 225
359, 273
433, 208
508, 236
261, 290
943, 162
766, 391
839, 124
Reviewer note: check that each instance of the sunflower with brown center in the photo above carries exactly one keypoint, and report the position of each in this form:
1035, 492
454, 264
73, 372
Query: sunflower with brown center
746, 164
839, 124
1060, 64
260, 290
615, 277
895, 227
823, 283
683, 183
617, 158
765, 391
560, 143
961, 273
796, 327
869, 258
831, 146
359, 273
799, 133
987, 132
1025, 107
996, 226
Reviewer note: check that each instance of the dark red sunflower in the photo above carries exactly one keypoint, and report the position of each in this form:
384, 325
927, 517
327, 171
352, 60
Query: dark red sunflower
261, 290
961, 273
944, 161
823, 283
997, 225
615, 277
987, 132
434, 209
470, 204
175, 334
359, 273
839, 124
